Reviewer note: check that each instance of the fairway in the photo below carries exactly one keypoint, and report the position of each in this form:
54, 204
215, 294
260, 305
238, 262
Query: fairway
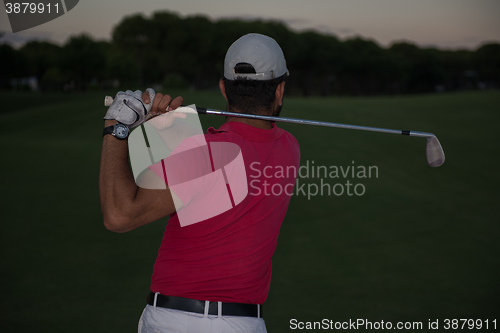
419, 244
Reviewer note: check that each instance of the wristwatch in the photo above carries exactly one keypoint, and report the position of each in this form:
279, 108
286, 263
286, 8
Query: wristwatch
119, 131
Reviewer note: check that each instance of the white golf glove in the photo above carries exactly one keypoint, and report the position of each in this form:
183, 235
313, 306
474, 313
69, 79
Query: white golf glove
129, 109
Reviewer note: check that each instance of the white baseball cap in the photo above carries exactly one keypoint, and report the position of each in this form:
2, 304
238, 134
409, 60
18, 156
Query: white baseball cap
260, 51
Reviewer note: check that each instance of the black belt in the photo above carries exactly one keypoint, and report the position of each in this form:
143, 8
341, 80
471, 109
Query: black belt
193, 305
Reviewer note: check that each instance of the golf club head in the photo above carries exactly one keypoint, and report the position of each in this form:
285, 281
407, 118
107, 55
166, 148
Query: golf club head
434, 152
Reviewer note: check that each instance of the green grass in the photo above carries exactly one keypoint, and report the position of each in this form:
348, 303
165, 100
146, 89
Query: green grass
421, 243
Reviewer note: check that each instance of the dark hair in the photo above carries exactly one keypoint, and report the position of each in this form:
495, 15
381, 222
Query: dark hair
251, 96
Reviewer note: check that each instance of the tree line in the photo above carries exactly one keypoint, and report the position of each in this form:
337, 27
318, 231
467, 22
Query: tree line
180, 52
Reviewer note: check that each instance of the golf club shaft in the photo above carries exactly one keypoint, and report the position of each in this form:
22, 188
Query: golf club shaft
434, 151
201, 110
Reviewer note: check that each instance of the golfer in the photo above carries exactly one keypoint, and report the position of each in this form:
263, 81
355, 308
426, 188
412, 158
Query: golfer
213, 275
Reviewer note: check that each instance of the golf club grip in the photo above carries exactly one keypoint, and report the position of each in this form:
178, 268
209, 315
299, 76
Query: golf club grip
200, 110
108, 100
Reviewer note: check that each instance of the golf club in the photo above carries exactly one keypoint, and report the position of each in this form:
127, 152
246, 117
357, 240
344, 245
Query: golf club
434, 151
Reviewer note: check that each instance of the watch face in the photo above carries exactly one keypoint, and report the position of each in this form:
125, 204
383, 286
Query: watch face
121, 131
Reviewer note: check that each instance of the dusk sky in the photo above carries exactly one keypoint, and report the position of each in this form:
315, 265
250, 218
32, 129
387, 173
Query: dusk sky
447, 24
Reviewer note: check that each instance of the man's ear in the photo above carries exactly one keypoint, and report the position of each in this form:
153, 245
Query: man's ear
222, 88
280, 91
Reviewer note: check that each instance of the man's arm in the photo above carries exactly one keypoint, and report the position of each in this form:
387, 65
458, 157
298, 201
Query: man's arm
125, 206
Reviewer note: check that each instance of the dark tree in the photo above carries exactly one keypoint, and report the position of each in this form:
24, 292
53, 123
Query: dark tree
84, 60
12, 65
138, 37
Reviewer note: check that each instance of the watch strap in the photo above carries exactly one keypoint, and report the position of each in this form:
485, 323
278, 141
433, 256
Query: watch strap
108, 130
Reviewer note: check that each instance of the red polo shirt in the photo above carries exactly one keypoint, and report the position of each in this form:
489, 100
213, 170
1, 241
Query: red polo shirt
228, 257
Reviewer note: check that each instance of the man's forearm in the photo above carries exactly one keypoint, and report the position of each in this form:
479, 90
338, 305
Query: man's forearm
125, 206
117, 188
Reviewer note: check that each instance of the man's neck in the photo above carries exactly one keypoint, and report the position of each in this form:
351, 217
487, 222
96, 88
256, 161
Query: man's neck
264, 124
